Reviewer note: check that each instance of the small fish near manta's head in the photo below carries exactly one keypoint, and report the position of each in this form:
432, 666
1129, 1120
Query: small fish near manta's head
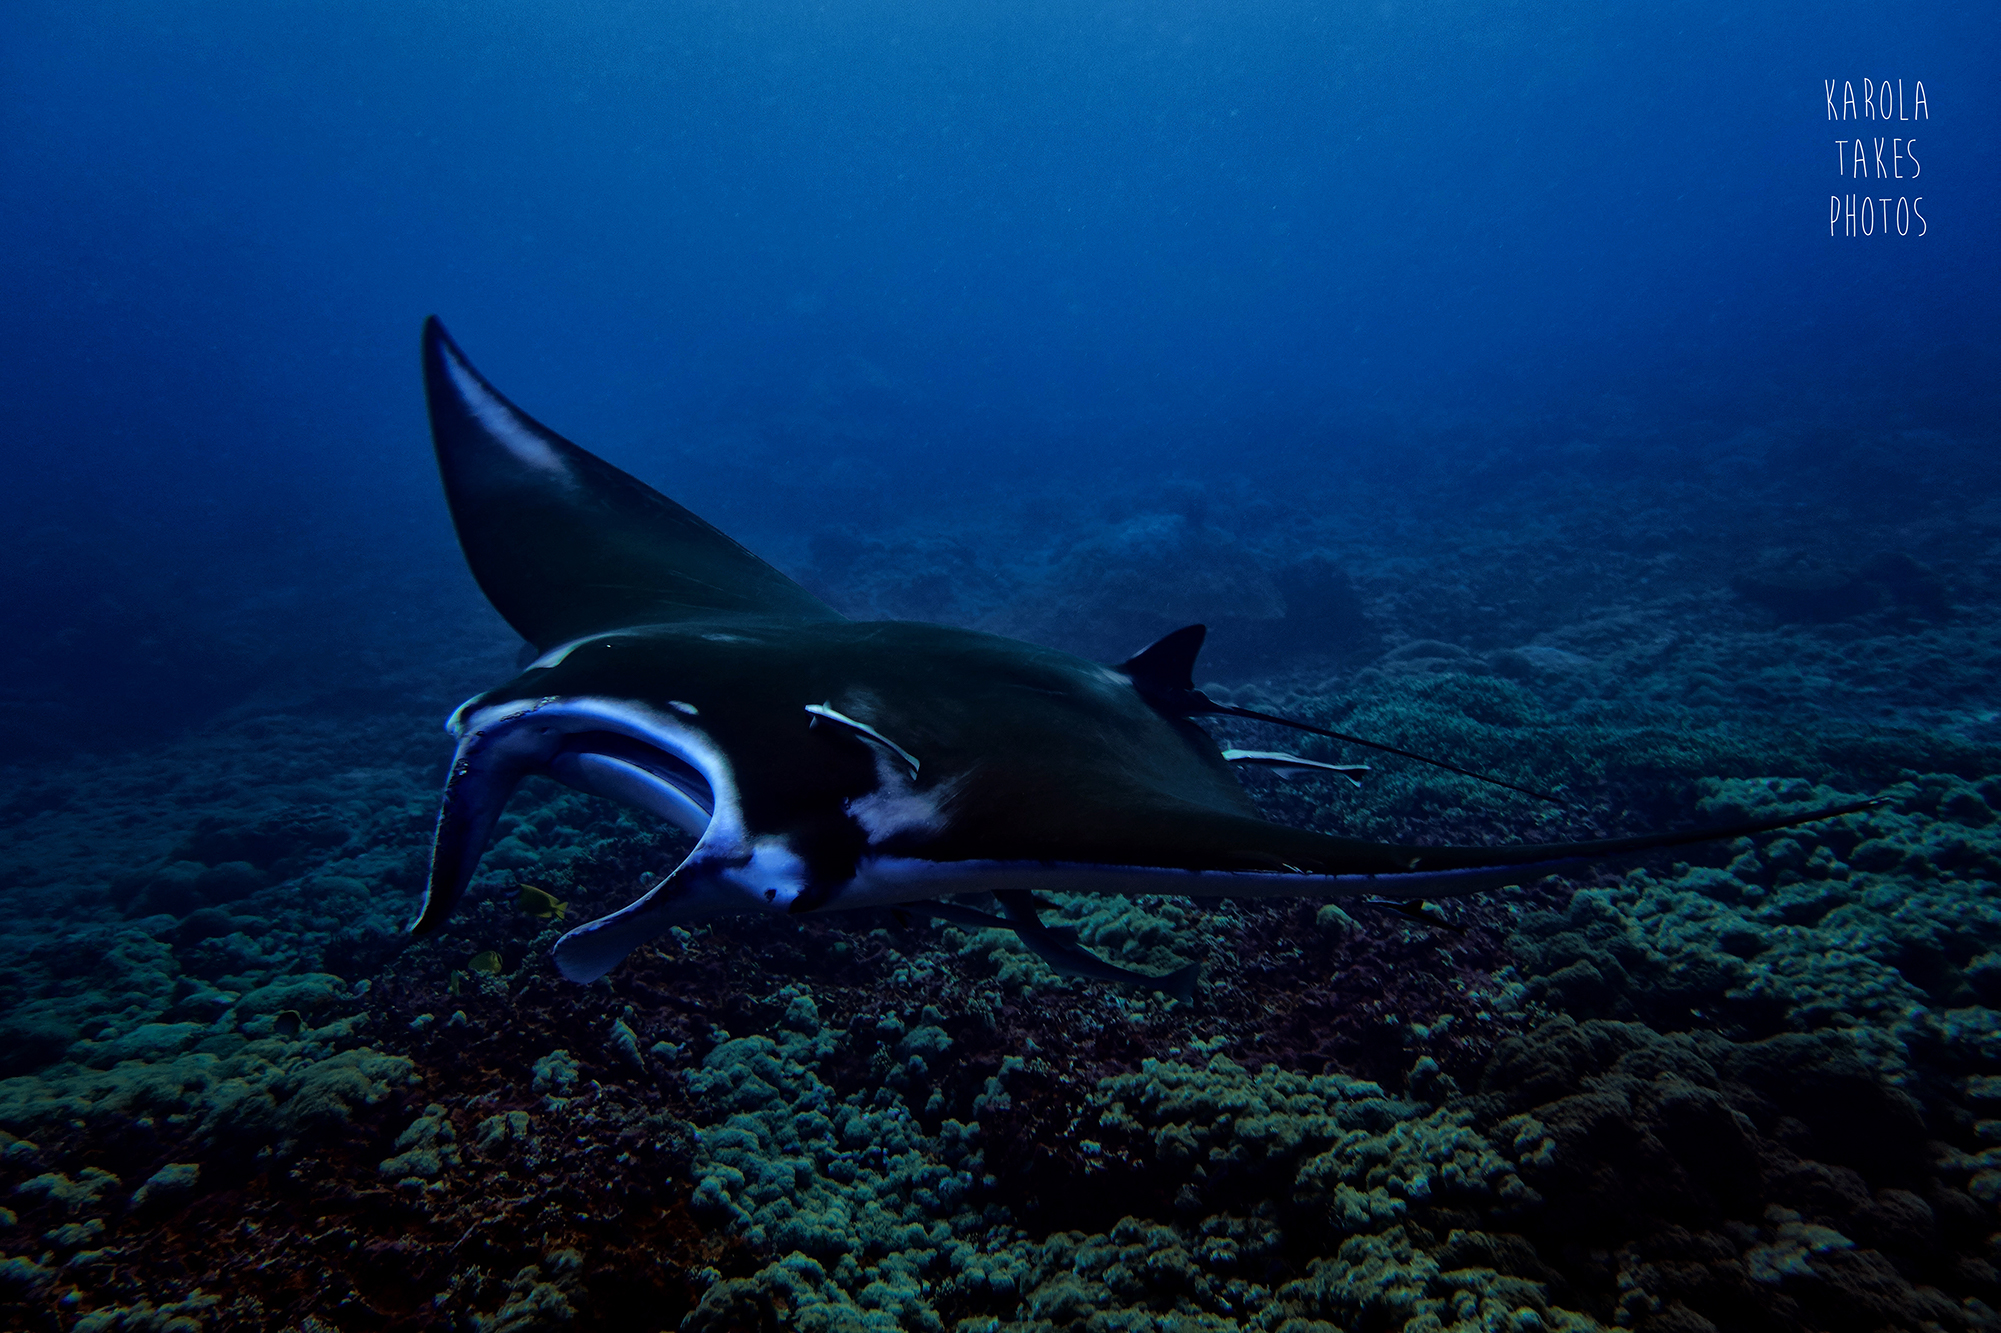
541, 904
825, 765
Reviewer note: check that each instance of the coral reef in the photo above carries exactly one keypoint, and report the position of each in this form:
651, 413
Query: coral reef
1747, 1086
1746, 1093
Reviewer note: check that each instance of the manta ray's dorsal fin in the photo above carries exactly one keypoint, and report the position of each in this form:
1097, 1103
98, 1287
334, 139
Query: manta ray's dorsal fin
564, 544
1164, 671
1164, 674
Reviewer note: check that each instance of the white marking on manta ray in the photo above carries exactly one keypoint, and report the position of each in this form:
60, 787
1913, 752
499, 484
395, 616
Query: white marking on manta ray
896, 806
827, 711
503, 425
774, 873
687, 708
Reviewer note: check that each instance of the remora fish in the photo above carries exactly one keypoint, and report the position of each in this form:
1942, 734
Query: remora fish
826, 765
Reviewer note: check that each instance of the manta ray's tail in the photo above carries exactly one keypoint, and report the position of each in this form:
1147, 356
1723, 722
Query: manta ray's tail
1436, 859
1410, 873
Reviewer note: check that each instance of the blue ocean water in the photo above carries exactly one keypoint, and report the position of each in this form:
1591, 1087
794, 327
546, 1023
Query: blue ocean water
1602, 396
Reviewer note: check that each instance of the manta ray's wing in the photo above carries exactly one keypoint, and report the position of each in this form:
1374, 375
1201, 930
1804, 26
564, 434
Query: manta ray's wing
564, 544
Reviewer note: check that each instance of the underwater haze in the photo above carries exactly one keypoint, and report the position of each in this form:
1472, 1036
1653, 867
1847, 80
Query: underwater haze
1603, 397
809, 267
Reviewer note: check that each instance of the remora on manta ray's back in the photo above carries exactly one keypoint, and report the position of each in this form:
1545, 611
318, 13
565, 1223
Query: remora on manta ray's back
826, 764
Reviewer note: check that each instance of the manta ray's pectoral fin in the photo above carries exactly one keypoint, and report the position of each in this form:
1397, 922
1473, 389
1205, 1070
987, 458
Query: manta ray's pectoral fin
563, 543
1067, 958
1292, 765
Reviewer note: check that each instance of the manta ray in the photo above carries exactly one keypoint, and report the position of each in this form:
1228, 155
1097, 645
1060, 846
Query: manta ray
829, 765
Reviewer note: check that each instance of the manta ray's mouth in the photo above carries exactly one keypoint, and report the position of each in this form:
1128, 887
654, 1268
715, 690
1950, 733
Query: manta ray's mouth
619, 749
636, 773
